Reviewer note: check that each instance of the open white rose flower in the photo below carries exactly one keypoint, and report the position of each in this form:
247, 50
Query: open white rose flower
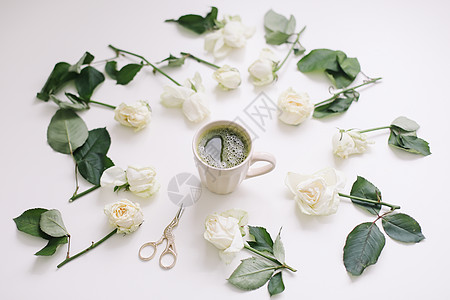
225, 232
125, 215
316, 194
142, 181
262, 71
113, 176
137, 115
174, 96
195, 107
233, 34
346, 142
294, 107
228, 78
190, 97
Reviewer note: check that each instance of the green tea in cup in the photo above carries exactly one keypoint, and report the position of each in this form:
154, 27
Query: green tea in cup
223, 147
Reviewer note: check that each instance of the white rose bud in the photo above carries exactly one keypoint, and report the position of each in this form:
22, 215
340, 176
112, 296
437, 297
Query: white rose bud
142, 181
125, 215
294, 107
137, 115
349, 142
228, 78
262, 70
224, 231
316, 194
112, 177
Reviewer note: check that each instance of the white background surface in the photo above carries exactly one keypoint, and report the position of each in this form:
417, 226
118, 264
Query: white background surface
405, 42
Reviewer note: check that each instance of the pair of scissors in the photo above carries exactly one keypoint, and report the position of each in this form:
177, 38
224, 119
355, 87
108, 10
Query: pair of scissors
170, 243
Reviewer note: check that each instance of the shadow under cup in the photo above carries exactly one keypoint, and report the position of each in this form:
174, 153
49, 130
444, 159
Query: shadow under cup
226, 180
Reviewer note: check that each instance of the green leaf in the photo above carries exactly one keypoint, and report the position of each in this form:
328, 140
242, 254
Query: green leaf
127, 73
56, 80
91, 156
251, 274
276, 22
107, 162
339, 79
403, 228
278, 249
276, 285
341, 69
52, 246
276, 38
409, 143
299, 50
363, 247
111, 69
337, 106
365, 189
405, 124
87, 81
28, 221
263, 241
278, 28
350, 65
197, 23
318, 60
66, 131
173, 61
76, 103
52, 224
86, 59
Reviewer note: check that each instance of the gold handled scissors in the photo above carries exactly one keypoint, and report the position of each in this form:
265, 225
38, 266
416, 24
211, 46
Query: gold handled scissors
170, 245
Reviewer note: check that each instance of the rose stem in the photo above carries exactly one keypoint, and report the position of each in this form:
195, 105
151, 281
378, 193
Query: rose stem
290, 50
394, 207
87, 249
373, 129
199, 60
76, 196
246, 246
101, 103
144, 59
347, 90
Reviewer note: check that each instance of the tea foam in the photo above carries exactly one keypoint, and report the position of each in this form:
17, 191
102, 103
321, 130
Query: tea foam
230, 152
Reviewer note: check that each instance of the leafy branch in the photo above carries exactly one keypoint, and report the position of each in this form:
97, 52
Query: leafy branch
340, 101
254, 272
365, 242
403, 136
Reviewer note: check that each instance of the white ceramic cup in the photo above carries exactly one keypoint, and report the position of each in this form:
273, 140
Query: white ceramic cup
224, 181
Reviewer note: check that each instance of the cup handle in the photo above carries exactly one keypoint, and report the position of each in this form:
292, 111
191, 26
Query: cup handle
261, 156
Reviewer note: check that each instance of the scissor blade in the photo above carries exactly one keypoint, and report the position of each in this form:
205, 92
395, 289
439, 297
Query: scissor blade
180, 211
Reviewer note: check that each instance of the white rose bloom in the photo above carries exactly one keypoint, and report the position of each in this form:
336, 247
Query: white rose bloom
228, 78
262, 70
125, 215
189, 97
142, 181
234, 34
137, 115
195, 107
294, 107
174, 96
316, 194
114, 176
349, 142
224, 232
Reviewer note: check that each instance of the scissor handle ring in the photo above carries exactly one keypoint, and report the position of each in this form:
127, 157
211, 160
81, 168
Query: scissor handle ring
170, 252
146, 258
